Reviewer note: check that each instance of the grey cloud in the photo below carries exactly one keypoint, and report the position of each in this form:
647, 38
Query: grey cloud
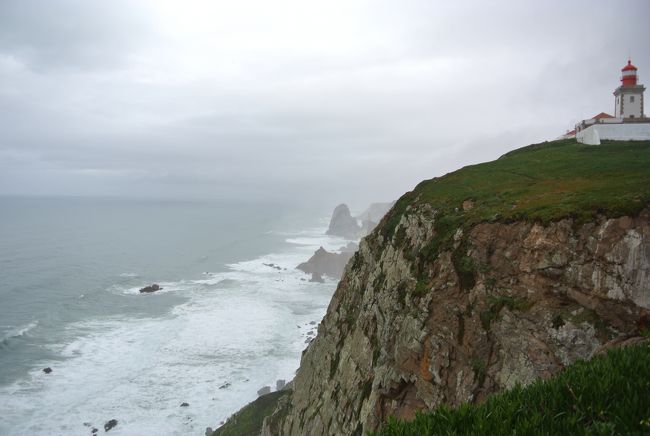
98, 101
70, 34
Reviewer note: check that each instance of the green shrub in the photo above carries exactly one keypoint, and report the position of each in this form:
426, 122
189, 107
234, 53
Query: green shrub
498, 302
607, 395
248, 421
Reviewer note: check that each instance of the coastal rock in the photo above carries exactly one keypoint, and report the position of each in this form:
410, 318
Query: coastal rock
264, 390
185, 404
110, 424
323, 262
343, 224
47, 370
316, 278
94, 430
502, 304
208, 431
150, 289
375, 212
279, 384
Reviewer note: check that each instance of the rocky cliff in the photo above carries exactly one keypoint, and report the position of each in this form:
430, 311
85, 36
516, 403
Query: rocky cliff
494, 275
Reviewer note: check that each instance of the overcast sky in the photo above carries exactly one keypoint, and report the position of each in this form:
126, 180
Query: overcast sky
337, 100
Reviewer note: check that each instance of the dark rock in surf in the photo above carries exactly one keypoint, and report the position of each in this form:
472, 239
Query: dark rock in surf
151, 288
47, 370
185, 404
110, 424
324, 262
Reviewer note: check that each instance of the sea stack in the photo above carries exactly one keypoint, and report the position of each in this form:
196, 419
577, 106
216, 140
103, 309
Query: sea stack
343, 223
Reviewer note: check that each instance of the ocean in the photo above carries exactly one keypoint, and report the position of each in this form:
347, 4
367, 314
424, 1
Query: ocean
233, 316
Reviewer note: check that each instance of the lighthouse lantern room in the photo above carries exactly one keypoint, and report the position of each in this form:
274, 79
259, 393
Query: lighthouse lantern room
629, 96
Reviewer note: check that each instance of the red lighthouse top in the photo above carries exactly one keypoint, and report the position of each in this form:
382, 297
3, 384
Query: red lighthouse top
629, 74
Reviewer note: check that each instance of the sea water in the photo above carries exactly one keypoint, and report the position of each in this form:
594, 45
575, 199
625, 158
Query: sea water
233, 315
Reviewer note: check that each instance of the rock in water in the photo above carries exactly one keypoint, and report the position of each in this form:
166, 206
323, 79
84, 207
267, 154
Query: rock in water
47, 370
343, 224
110, 424
316, 278
208, 431
185, 404
279, 384
324, 262
264, 390
149, 289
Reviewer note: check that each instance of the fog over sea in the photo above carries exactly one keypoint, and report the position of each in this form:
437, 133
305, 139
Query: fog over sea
225, 323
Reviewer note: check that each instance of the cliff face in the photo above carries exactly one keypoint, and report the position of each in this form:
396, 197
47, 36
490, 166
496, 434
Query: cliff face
495, 274
411, 327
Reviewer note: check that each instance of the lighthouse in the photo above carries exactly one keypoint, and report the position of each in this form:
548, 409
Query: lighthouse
629, 122
629, 96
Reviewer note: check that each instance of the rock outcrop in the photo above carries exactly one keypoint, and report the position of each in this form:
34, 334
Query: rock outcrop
414, 324
151, 288
325, 263
343, 223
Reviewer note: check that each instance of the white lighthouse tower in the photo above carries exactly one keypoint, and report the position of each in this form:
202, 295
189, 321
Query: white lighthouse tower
629, 96
629, 123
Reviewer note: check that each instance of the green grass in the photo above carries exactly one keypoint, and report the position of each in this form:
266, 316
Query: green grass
542, 182
248, 421
608, 395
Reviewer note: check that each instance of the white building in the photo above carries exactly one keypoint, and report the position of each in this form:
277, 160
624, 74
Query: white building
629, 121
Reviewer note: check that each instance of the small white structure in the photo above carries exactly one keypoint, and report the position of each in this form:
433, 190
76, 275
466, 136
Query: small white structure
629, 122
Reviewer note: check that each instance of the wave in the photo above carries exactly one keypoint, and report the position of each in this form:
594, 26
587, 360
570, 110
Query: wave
17, 333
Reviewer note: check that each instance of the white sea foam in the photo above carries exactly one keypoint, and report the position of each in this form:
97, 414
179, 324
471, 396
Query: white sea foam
129, 275
245, 326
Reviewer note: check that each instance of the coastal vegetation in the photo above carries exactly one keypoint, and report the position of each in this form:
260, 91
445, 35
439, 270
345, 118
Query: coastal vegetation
607, 395
541, 182
248, 421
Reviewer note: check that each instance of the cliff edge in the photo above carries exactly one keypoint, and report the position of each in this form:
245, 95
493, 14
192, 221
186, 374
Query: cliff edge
496, 274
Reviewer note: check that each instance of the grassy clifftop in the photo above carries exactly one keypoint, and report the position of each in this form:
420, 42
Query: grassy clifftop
541, 182
607, 395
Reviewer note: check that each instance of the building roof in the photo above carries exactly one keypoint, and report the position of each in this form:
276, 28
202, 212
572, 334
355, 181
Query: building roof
629, 66
601, 115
